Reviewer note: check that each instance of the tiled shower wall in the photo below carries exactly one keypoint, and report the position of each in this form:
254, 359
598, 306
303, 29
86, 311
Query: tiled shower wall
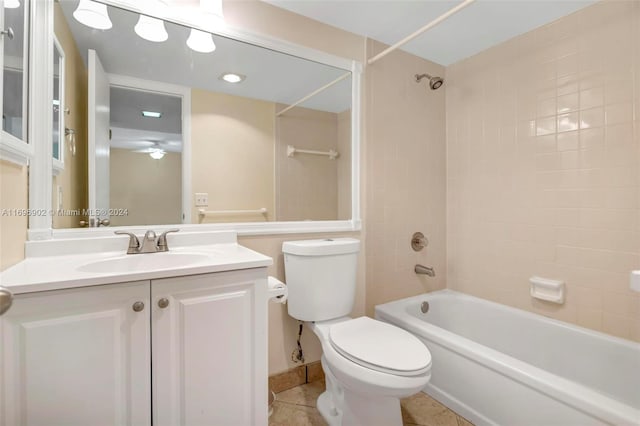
543, 140
405, 176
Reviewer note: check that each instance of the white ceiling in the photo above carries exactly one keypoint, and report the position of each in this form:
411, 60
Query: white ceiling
127, 106
479, 26
130, 130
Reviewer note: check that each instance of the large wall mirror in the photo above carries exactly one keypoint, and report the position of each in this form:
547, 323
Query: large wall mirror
165, 124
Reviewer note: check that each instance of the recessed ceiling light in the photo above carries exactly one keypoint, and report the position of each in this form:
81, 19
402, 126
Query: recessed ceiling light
152, 114
230, 77
93, 15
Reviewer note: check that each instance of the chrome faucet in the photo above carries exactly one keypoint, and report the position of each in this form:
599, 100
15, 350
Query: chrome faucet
150, 243
424, 270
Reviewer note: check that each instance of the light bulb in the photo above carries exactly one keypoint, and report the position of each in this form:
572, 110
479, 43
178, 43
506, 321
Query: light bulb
93, 15
11, 4
232, 77
151, 29
201, 41
157, 154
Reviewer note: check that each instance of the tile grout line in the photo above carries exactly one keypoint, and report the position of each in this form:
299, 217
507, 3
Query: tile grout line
294, 404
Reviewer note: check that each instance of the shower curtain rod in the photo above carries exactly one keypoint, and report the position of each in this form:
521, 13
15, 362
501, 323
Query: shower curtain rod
312, 94
420, 31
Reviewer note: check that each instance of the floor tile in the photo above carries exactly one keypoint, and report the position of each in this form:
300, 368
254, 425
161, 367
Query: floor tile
463, 422
297, 407
285, 414
421, 409
306, 394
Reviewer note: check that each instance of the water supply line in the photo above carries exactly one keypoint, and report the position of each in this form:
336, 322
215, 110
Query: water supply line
298, 355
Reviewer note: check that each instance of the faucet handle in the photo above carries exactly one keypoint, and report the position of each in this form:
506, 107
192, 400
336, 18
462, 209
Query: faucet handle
162, 240
134, 243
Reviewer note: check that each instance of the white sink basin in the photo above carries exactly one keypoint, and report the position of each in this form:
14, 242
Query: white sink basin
145, 262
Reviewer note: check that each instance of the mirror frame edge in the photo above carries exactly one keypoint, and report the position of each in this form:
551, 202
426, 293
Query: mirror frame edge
40, 176
40, 121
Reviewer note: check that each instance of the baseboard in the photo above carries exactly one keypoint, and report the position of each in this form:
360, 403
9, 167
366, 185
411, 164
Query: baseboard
296, 376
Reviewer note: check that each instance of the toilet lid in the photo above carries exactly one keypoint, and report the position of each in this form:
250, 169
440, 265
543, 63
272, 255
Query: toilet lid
380, 346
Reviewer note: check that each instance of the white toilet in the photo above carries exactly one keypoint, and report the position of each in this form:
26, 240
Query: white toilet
369, 365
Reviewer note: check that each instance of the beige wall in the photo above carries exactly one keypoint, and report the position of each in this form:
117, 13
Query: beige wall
232, 149
150, 190
405, 180
13, 227
543, 168
73, 179
306, 185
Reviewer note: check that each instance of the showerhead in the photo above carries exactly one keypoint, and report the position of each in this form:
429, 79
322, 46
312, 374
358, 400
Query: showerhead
434, 82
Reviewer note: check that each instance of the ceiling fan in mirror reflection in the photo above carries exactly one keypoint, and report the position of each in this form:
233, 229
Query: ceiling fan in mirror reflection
156, 144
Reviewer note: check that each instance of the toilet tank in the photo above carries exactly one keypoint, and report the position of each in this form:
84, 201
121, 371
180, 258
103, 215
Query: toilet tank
321, 277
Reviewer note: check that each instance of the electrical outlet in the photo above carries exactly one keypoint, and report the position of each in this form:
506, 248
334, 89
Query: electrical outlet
202, 199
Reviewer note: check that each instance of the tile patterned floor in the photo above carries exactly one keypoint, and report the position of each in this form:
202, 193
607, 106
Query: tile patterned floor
297, 407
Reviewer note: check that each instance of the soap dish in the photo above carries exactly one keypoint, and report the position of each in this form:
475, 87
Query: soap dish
547, 289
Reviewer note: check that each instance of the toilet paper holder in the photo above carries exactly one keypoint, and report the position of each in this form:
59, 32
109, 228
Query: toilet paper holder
277, 290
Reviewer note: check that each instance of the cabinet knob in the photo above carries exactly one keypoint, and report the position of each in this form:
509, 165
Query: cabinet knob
163, 303
6, 299
138, 307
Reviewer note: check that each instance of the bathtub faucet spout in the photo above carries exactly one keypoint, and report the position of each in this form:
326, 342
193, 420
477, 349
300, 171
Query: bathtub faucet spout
424, 270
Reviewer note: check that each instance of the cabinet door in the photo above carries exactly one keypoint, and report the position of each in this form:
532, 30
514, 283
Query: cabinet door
209, 349
76, 357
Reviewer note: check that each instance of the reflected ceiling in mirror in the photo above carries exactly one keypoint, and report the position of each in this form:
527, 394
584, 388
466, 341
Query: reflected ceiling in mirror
182, 144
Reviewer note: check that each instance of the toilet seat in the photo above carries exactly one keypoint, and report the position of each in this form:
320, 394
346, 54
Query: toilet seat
380, 346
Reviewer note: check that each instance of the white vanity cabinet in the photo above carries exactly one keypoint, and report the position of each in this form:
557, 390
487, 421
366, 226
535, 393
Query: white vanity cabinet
209, 340
76, 357
195, 352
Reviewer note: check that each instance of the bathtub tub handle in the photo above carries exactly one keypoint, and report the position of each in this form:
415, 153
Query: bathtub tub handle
419, 241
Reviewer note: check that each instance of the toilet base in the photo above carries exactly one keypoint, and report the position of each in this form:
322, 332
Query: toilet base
343, 407
331, 416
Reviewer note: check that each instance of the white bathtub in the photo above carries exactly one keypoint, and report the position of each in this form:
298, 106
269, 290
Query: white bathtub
498, 365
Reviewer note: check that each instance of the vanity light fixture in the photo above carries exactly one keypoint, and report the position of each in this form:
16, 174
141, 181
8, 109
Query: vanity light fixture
151, 114
230, 77
93, 15
201, 41
157, 154
11, 4
151, 29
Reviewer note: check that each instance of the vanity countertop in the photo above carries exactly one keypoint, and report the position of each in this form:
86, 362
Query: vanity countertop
69, 270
